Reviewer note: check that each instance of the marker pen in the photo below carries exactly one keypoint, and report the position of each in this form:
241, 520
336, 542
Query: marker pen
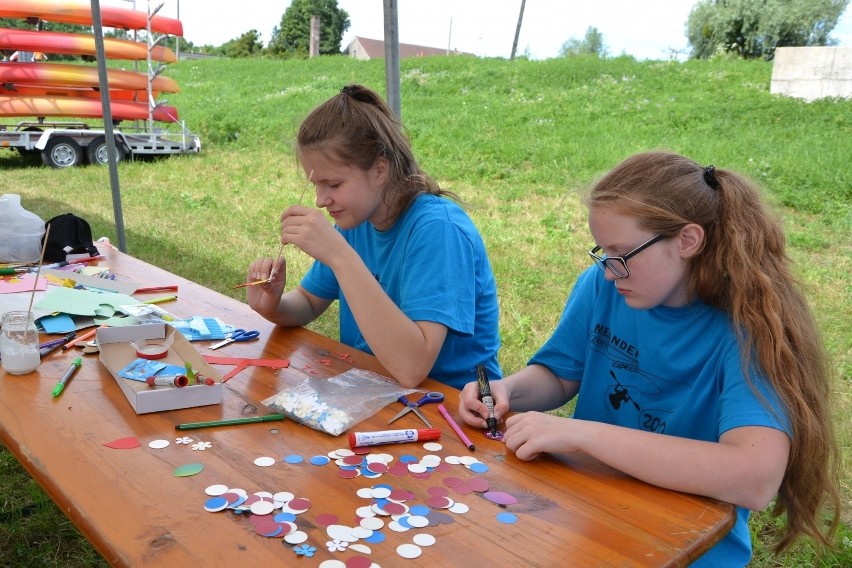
486, 398
57, 390
359, 439
456, 428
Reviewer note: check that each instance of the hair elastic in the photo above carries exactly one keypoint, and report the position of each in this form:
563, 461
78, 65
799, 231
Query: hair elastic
710, 177
356, 93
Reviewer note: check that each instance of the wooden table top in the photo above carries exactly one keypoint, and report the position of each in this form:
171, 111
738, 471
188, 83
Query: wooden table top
135, 511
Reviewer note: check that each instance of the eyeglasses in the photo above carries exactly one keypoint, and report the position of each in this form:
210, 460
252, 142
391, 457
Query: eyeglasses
618, 264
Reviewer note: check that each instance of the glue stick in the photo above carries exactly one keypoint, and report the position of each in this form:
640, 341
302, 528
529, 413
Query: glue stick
358, 439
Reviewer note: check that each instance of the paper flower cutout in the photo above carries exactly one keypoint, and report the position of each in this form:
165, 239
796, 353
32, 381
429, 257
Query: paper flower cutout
184, 440
305, 550
336, 545
201, 446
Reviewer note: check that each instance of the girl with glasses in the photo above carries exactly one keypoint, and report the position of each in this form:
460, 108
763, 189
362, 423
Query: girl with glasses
406, 263
691, 351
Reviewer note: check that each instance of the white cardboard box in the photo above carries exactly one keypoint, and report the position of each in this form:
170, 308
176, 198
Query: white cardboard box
116, 352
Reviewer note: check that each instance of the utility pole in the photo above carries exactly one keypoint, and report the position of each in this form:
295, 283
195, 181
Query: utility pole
518, 30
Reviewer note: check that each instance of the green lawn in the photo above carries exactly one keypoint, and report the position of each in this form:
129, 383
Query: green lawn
517, 141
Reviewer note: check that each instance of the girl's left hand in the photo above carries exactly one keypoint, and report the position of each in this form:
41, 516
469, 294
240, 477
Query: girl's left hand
530, 433
310, 230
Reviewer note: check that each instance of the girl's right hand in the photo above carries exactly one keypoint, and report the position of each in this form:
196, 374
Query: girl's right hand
264, 298
474, 412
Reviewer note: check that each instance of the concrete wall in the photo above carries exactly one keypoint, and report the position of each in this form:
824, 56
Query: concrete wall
812, 73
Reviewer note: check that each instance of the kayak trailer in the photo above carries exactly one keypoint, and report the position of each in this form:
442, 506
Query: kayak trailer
67, 144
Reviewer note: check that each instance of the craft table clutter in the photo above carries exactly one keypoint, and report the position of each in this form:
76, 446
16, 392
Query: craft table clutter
241, 490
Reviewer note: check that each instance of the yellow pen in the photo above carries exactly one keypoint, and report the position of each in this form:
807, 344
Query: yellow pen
160, 300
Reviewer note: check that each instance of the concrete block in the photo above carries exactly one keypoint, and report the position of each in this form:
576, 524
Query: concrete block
812, 73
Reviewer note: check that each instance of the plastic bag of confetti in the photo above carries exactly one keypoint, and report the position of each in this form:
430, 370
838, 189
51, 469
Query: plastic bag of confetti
335, 404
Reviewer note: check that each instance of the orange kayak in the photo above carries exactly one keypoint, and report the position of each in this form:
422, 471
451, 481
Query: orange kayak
80, 44
80, 12
21, 90
67, 75
82, 108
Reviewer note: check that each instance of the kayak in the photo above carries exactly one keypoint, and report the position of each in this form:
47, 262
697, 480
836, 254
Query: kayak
82, 108
80, 12
68, 75
79, 44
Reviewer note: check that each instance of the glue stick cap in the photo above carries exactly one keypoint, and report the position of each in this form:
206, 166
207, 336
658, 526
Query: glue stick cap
428, 434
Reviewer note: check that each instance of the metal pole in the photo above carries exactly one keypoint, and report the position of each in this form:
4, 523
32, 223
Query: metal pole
518, 30
392, 56
177, 38
110, 138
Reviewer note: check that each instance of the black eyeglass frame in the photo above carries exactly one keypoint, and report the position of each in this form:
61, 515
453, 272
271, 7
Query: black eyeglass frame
604, 262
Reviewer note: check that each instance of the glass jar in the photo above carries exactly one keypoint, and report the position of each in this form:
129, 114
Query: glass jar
19, 343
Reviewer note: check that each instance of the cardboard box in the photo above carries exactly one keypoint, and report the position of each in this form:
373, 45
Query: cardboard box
116, 352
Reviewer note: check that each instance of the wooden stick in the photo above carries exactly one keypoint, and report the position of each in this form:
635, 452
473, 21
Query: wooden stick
38, 270
281, 249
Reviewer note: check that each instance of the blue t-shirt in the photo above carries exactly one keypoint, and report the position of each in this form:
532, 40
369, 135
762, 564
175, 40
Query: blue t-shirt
674, 371
432, 263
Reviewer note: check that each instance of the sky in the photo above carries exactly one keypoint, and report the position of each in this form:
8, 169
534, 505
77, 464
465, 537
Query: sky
646, 29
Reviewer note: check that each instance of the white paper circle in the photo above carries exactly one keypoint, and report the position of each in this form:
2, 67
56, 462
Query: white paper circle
409, 550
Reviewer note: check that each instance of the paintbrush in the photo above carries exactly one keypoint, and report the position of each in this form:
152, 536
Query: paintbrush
280, 249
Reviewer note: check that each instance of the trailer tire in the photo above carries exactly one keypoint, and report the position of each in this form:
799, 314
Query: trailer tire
62, 152
98, 153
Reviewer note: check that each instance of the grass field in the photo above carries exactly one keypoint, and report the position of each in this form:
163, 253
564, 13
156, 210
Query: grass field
517, 141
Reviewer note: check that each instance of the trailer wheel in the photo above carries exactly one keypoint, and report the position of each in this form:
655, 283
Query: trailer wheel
97, 151
62, 152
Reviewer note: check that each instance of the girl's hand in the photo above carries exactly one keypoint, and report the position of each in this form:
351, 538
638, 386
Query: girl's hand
264, 298
530, 433
474, 412
311, 231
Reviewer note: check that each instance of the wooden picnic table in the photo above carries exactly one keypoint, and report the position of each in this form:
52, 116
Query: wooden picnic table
570, 510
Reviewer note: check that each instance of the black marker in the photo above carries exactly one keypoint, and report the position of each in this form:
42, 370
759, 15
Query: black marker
486, 398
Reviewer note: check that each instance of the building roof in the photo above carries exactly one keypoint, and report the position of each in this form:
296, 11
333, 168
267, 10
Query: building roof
375, 49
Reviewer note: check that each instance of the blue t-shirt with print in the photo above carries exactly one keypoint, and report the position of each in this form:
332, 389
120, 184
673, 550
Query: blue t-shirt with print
433, 264
674, 371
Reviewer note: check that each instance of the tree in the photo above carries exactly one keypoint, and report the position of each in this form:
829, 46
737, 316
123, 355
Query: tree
294, 36
247, 45
752, 29
591, 44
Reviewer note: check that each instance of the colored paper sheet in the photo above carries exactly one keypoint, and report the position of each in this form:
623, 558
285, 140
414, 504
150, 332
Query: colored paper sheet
14, 285
118, 286
60, 323
83, 302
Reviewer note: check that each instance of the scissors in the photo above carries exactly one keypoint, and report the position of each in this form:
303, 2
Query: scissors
237, 335
415, 406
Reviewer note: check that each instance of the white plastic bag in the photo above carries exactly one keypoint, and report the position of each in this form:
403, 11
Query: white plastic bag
337, 403
20, 231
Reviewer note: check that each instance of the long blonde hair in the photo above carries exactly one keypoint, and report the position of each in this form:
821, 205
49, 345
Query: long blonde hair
744, 270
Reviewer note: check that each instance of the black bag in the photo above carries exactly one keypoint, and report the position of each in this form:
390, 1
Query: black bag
69, 234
